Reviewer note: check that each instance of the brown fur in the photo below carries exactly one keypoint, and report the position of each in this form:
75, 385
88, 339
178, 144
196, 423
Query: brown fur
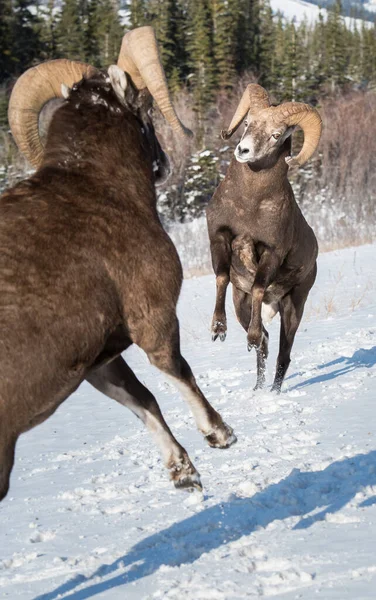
261, 242
86, 269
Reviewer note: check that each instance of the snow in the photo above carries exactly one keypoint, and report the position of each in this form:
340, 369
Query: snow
288, 512
371, 5
300, 10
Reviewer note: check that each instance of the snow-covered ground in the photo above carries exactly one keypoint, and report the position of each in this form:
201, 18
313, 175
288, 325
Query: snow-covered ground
301, 10
289, 511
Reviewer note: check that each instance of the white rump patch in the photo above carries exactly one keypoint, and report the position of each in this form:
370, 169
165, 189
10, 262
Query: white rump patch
268, 312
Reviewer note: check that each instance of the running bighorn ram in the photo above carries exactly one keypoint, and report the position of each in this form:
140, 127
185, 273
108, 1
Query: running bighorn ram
259, 239
86, 268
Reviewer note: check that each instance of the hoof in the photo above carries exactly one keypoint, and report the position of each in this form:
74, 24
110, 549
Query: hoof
221, 437
253, 344
185, 476
276, 389
189, 483
254, 341
219, 329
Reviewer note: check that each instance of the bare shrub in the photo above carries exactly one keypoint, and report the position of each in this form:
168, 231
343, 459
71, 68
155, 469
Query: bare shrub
13, 166
348, 145
337, 190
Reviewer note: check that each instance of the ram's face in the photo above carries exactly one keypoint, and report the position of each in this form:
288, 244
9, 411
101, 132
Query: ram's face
261, 138
161, 163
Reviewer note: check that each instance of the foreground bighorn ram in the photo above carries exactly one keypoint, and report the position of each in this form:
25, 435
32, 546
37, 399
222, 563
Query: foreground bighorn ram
259, 239
86, 268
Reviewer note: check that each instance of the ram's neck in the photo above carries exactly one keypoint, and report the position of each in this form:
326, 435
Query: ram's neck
260, 181
96, 151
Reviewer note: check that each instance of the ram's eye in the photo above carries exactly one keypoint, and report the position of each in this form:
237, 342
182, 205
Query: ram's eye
246, 123
276, 135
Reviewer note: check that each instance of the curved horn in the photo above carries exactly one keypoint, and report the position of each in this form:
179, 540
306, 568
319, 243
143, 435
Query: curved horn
139, 57
31, 92
309, 119
254, 98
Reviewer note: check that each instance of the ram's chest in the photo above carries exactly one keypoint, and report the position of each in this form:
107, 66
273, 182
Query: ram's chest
244, 262
260, 223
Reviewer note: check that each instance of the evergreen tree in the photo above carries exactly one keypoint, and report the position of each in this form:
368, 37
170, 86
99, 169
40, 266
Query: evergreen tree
355, 54
201, 60
26, 46
317, 55
188, 200
3, 107
6, 62
248, 36
168, 20
337, 54
368, 55
108, 32
280, 42
91, 43
267, 54
70, 33
305, 90
48, 32
225, 28
289, 65
138, 13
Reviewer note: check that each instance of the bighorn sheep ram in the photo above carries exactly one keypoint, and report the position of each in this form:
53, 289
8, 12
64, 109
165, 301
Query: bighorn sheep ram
86, 268
259, 239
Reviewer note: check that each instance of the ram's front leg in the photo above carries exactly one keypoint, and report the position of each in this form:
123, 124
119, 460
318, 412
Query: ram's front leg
220, 248
266, 271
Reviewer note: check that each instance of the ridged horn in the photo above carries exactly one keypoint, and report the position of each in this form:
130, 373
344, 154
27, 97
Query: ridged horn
31, 92
309, 120
254, 98
139, 57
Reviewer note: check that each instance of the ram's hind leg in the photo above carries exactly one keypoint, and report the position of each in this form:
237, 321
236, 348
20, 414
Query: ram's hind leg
7, 450
262, 354
243, 309
118, 381
291, 308
165, 355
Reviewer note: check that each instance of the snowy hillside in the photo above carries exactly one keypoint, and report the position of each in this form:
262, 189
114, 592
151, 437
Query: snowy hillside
289, 511
300, 10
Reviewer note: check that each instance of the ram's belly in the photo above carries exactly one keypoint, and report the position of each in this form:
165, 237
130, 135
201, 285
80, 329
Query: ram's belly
241, 281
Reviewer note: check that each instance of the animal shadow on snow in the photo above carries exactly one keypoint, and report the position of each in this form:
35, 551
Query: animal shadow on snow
311, 495
344, 365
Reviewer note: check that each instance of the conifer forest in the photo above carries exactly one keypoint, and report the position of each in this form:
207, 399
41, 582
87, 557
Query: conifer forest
211, 49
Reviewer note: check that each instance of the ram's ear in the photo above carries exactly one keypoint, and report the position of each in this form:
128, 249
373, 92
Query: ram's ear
118, 81
289, 131
65, 91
